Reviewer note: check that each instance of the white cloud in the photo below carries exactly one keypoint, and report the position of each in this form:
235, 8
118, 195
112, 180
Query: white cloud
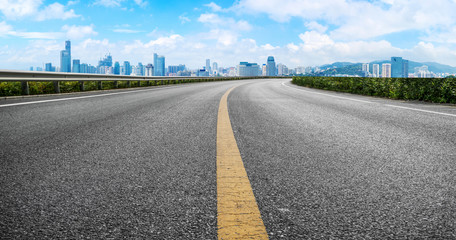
37, 51
316, 27
215, 21
141, 3
213, 6
168, 42
184, 19
78, 32
123, 30
314, 40
223, 37
70, 3
118, 3
269, 47
37, 35
356, 20
55, 11
108, 3
5, 29
161, 42
31, 8
14, 9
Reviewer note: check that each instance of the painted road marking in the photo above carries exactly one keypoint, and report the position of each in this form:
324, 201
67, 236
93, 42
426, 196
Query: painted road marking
421, 110
238, 216
82, 97
388, 105
324, 94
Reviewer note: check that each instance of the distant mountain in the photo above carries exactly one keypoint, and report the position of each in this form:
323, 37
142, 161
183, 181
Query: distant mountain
337, 65
438, 68
355, 68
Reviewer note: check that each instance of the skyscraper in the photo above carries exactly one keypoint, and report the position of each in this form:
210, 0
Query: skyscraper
271, 67
65, 58
106, 61
127, 68
386, 70
48, 67
365, 67
376, 70
76, 66
208, 65
159, 65
140, 69
399, 67
214, 68
116, 68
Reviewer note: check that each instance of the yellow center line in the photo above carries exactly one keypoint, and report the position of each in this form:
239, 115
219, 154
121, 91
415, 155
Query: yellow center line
238, 216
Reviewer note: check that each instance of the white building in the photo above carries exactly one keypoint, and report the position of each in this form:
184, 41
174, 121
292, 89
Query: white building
366, 67
386, 70
246, 69
375, 70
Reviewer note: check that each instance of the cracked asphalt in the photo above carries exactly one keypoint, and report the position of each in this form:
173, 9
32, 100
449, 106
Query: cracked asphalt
322, 165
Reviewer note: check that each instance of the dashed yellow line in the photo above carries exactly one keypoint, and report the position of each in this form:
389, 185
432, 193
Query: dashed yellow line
238, 216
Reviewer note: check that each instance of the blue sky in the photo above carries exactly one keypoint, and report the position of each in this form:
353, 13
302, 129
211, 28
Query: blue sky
295, 32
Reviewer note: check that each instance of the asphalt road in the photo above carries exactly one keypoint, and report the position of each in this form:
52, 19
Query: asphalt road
142, 163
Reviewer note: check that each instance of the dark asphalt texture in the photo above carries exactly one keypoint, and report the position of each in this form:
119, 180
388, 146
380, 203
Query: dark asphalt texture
142, 164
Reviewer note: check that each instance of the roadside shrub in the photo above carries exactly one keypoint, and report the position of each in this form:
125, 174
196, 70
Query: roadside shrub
441, 90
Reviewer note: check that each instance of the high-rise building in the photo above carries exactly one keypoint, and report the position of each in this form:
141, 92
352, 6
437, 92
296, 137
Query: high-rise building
159, 65
365, 67
246, 69
116, 68
270, 67
65, 58
106, 61
84, 68
399, 67
140, 69
149, 70
282, 69
127, 68
214, 68
208, 66
375, 70
48, 67
386, 70
76, 66
263, 70
173, 70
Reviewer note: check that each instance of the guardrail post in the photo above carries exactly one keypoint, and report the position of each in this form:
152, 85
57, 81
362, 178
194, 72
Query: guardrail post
128, 83
139, 83
116, 84
81, 86
161, 82
25, 88
56, 86
100, 85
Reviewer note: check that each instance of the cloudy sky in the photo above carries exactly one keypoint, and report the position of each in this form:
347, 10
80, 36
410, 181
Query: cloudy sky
295, 32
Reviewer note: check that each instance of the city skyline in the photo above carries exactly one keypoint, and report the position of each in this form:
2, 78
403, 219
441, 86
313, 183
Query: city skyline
296, 33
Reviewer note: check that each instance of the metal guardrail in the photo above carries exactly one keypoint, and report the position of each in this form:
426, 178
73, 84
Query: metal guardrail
56, 77
31, 76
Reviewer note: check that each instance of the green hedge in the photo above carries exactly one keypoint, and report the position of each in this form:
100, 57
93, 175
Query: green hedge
440, 90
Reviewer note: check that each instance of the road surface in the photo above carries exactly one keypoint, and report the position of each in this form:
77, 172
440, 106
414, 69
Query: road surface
142, 163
